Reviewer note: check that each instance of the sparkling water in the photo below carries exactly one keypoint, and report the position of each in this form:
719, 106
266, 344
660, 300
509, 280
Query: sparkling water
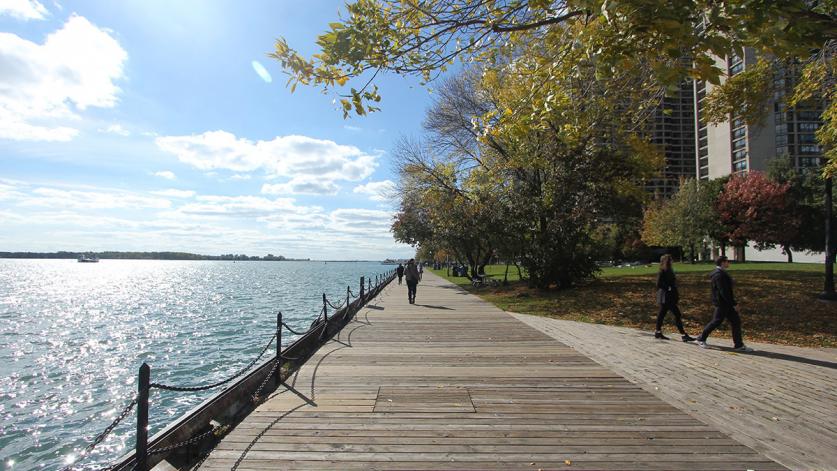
73, 335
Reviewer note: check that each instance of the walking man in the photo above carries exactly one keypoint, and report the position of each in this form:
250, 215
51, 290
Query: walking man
412, 275
724, 301
400, 272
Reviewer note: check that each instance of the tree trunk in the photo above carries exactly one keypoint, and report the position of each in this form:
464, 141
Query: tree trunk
723, 248
788, 252
692, 254
506, 275
828, 290
519, 275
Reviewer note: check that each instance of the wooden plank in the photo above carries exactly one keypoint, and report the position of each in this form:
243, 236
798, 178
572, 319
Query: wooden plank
467, 387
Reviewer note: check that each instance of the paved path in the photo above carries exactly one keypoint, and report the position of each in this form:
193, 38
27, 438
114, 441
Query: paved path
779, 400
455, 383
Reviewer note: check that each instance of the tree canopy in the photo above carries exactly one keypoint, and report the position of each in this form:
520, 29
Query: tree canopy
424, 37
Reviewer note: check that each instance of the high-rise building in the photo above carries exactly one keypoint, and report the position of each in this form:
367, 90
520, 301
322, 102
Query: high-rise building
735, 147
674, 131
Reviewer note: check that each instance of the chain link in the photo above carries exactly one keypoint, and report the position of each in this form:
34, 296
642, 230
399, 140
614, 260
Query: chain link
166, 387
339, 306
101, 437
292, 330
256, 396
216, 431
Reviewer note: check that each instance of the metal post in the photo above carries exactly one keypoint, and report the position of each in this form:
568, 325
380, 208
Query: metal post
362, 285
278, 347
142, 417
325, 309
348, 301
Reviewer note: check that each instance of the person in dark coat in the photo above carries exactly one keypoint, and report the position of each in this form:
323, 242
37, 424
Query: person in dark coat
667, 298
412, 275
400, 272
724, 301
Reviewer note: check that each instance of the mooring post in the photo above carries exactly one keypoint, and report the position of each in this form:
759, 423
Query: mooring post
348, 299
278, 348
362, 285
142, 416
325, 309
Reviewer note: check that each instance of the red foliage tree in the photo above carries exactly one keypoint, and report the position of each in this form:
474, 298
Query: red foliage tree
758, 209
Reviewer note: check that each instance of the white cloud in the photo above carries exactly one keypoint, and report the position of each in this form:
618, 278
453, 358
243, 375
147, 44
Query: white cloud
9, 190
174, 193
54, 198
44, 86
23, 9
99, 218
285, 156
302, 186
351, 128
239, 177
167, 174
377, 191
116, 129
366, 221
243, 206
261, 71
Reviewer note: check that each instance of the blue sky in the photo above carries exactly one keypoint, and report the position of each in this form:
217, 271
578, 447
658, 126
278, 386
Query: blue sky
159, 125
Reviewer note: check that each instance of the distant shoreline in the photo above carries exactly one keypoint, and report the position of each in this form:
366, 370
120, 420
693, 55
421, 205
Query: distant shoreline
114, 255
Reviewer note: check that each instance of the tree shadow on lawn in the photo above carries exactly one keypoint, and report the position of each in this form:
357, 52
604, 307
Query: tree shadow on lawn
775, 306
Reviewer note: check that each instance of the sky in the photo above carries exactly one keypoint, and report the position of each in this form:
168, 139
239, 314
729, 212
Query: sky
146, 125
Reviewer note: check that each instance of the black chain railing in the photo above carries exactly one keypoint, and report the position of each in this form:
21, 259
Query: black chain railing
216, 431
205, 387
107, 431
348, 306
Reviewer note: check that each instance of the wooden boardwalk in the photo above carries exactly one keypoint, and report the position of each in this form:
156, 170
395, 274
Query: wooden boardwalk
779, 400
455, 383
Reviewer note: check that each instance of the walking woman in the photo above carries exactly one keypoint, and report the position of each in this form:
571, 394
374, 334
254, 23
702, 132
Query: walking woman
667, 298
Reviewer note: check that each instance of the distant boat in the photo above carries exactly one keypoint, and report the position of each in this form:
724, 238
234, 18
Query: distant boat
88, 259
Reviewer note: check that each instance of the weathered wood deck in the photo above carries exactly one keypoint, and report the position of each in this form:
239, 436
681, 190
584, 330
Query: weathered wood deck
779, 400
455, 383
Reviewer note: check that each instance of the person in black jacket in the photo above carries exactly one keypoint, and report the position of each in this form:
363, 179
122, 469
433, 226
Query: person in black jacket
724, 301
400, 272
667, 298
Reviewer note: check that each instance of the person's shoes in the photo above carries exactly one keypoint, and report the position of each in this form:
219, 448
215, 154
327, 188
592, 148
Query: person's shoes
688, 338
742, 349
702, 344
659, 335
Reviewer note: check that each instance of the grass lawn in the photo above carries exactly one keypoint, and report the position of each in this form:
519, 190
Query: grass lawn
777, 301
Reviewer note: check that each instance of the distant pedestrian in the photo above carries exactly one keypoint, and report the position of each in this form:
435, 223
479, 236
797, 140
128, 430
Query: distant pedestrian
412, 275
421, 270
724, 301
400, 272
667, 299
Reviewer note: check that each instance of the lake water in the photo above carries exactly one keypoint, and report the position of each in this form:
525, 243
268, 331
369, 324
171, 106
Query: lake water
73, 335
